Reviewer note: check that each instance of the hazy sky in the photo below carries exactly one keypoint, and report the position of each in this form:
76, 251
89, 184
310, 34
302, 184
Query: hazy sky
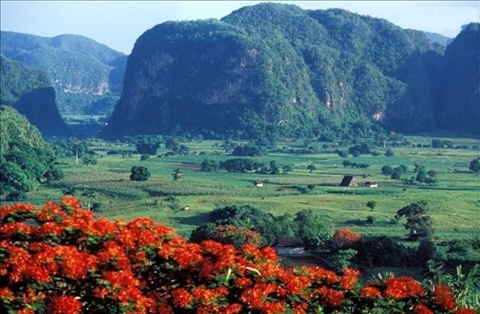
118, 24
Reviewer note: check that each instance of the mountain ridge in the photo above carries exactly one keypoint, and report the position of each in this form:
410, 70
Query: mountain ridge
99, 69
278, 70
30, 91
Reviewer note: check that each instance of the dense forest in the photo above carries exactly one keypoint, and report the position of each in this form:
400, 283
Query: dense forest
26, 160
275, 70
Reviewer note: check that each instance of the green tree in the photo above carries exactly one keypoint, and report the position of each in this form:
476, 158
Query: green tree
389, 152
432, 173
311, 168
203, 232
139, 173
238, 165
250, 150
475, 166
401, 169
274, 169
177, 174
314, 230
285, 225
78, 147
89, 160
147, 144
237, 236
419, 222
421, 175
436, 143
209, 165
287, 168
371, 205
89, 194
387, 170
396, 175
247, 217
342, 153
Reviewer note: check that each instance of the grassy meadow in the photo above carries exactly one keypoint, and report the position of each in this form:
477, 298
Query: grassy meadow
454, 202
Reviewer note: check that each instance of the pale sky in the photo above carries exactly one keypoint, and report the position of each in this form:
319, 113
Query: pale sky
118, 24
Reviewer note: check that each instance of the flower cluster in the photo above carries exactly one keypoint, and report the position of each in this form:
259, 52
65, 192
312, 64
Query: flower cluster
59, 259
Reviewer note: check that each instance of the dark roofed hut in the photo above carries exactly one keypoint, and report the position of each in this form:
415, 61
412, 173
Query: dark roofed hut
349, 181
289, 246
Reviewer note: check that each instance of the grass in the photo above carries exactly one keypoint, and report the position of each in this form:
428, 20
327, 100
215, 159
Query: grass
453, 203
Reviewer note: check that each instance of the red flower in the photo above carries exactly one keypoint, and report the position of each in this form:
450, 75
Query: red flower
443, 296
75, 264
182, 298
370, 292
6, 210
403, 287
331, 297
70, 201
233, 308
422, 309
113, 264
49, 228
242, 282
349, 278
11, 229
188, 256
64, 305
6, 294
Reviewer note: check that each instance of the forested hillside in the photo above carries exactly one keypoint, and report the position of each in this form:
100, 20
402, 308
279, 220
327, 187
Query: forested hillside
26, 159
31, 92
276, 70
98, 79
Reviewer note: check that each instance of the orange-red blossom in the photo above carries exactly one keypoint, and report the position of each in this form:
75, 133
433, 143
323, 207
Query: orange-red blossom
69, 262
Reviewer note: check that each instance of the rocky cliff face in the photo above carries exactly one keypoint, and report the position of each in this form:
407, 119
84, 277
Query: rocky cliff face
459, 106
30, 92
98, 69
277, 69
208, 67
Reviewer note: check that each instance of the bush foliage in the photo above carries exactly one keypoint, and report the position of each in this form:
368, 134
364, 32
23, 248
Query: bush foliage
59, 259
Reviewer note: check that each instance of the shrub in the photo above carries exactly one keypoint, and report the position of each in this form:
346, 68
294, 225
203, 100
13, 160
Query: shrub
250, 150
389, 152
345, 238
396, 175
209, 165
71, 263
342, 153
144, 157
387, 170
16, 196
139, 173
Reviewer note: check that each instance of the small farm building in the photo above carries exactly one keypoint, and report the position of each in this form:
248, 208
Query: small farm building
258, 184
349, 181
289, 246
371, 184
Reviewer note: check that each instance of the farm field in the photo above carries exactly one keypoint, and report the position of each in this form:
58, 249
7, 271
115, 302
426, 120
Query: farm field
454, 202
